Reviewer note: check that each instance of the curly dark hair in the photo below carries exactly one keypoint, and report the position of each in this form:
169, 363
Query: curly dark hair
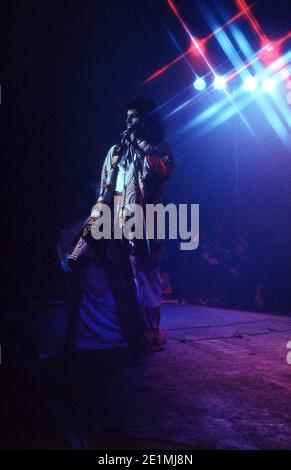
146, 107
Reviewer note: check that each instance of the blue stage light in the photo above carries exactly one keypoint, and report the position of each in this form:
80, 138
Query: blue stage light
199, 84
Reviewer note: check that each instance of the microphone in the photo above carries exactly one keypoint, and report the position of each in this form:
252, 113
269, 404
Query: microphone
131, 128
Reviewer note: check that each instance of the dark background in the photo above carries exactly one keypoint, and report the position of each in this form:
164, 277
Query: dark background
68, 69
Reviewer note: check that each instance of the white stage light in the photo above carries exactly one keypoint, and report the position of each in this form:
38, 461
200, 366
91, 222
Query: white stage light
251, 83
268, 85
199, 84
219, 83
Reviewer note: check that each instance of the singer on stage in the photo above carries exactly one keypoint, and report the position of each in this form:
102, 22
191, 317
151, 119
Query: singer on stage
116, 282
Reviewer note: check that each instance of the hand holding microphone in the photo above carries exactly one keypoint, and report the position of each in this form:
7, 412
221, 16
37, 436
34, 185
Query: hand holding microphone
126, 134
129, 137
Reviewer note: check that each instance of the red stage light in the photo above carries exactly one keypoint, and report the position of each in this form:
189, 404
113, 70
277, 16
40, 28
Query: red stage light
197, 48
269, 53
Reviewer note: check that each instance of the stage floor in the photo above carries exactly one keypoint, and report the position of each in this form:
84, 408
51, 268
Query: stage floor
222, 381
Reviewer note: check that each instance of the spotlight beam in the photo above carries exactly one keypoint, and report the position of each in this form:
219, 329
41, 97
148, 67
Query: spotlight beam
193, 40
256, 57
283, 39
244, 10
243, 7
252, 58
165, 68
231, 20
202, 41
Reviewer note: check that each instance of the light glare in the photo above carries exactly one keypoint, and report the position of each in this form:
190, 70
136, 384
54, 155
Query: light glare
251, 83
268, 85
219, 83
199, 84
